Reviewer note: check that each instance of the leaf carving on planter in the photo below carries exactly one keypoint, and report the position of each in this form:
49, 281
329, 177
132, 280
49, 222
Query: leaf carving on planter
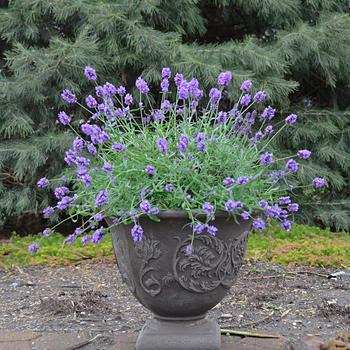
212, 263
147, 250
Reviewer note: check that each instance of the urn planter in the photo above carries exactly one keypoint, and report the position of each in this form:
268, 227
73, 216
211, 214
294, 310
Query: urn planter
180, 288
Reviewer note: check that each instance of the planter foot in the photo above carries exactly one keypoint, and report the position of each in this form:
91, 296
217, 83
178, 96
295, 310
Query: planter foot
203, 334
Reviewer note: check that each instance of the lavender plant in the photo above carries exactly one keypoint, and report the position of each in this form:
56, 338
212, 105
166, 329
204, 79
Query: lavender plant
132, 158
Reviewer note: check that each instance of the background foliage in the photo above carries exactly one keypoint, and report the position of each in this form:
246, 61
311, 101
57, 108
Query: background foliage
297, 50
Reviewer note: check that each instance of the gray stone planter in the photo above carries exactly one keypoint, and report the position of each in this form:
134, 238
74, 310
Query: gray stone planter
179, 289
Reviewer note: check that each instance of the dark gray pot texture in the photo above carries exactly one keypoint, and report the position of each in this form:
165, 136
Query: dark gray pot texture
179, 288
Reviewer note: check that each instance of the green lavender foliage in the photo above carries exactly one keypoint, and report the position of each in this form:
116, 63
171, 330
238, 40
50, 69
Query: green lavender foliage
297, 50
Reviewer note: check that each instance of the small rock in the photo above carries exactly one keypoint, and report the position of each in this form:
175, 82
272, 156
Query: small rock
226, 316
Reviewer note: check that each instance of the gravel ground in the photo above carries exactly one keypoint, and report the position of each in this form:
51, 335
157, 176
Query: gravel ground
91, 297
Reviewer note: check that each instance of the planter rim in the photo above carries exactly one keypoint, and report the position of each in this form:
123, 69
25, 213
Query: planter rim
178, 213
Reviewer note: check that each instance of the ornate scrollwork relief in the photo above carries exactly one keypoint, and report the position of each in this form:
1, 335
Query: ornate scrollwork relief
213, 262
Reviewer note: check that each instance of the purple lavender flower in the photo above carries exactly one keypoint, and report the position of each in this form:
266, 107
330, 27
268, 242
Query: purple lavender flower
164, 85
46, 233
292, 166
268, 113
78, 231
318, 182
245, 215
85, 178
221, 118
189, 249
212, 230
121, 91
162, 145
259, 224
33, 248
91, 101
263, 204
200, 136
128, 99
47, 212
246, 85
145, 206
266, 158
208, 208
137, 233
43, 183
273, 212
158, 115
215, 96
230, 206
178, 79
87, 129
82, 161
78, 144
107, 167
182, 147
69, 157
166, 73
142, 86
70, 239
245, 100
99, 91
304, 154
154, 211
61, 191
291, 119
92, 149
169, 187
109, 89
242, 180
85, 240
198, 228
118, 147
99, 136
183, 91
201, 146
293, 207
98, 217
284, 200
228, 181
260, 96
224, 78
90, 73
268, 130
150, 170
63, 118
166, 105
65, 202
101, 198
286, 225
69, 97
97, 236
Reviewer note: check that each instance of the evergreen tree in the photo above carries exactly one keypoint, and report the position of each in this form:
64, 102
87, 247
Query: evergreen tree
297, 50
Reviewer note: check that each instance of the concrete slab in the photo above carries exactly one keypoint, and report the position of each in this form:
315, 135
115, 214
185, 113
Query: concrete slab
127, 342
68, 341
17, 340
60, 341
38, 341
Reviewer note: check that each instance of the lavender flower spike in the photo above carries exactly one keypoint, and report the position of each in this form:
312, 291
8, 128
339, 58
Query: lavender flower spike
224, 78
142, 86
90, 73
101, 198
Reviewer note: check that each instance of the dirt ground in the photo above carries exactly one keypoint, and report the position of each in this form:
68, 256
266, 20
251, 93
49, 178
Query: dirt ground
293, 301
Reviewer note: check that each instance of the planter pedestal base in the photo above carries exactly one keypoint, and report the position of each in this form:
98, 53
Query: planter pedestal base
202, 334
